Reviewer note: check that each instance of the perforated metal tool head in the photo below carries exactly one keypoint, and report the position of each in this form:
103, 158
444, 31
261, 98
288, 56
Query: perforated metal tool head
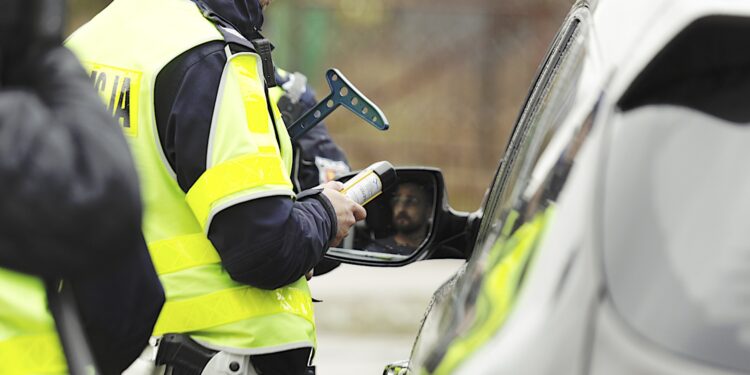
343, 93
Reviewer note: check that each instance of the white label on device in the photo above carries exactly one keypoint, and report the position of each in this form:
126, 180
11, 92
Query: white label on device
364, 188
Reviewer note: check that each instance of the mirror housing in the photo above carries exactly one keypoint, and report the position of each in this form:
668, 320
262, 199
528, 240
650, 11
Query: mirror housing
393, 220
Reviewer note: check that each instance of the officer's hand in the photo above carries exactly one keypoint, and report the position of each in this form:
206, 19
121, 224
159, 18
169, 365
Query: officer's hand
348, 212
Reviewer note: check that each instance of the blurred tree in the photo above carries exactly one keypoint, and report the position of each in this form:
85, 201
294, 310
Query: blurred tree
80, 11
450, 75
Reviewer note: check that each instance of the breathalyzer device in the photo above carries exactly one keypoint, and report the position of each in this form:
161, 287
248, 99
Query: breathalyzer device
370, 182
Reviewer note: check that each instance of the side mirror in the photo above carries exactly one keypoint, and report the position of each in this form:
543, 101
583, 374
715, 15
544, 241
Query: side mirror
407, 222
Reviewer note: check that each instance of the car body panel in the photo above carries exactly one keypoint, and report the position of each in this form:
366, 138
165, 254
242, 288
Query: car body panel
559, 286
562, 320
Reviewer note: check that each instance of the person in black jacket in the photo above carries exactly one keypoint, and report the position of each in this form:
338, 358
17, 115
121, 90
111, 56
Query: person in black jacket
69, 202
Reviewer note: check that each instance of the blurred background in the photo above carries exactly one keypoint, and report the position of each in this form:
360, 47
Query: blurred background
451, 77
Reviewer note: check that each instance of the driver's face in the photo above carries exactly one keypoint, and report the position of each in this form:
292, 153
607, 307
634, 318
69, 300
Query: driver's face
410, 208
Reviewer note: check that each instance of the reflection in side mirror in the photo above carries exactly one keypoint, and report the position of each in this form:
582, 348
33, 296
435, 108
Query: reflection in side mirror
410, 205
399, 220
405, 223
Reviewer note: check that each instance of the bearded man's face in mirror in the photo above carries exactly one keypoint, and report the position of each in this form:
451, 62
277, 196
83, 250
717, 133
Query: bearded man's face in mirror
411, 211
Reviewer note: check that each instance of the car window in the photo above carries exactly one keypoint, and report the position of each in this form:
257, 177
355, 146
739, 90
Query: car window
675, 206
675, 232
463, 325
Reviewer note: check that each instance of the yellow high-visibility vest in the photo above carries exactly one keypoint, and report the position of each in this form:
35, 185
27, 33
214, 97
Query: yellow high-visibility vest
124, 48
28, 339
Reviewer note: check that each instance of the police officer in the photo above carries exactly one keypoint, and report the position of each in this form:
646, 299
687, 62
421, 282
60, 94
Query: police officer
70, 209
228, 238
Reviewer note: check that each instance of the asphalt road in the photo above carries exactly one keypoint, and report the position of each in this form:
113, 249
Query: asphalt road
370, 316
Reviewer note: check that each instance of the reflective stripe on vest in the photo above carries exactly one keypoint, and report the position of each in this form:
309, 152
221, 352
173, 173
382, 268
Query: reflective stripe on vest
181, 253
245, 174
246, 158
232, 305
235, 304
38, 354
28, 340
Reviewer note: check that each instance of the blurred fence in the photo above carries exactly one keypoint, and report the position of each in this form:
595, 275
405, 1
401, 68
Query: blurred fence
449, 75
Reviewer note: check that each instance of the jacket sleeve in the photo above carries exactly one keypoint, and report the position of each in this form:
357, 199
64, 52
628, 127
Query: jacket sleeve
277, 240
70, 199
265, 242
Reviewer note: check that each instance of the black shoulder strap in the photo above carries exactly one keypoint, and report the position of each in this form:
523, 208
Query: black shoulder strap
259, 45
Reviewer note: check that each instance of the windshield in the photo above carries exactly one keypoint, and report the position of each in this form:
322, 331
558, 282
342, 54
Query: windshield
678, 179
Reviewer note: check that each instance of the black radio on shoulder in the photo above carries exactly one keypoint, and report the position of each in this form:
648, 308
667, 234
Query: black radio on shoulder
27, 27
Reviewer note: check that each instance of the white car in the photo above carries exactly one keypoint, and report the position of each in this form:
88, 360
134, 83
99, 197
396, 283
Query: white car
615, 236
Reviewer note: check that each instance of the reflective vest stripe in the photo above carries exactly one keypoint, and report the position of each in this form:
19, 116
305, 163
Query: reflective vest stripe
36, 354
183, 252
240, 174
232, 305
244, 68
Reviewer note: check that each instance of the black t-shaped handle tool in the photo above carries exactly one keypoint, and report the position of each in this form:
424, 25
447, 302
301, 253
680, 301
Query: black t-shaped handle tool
342, 93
